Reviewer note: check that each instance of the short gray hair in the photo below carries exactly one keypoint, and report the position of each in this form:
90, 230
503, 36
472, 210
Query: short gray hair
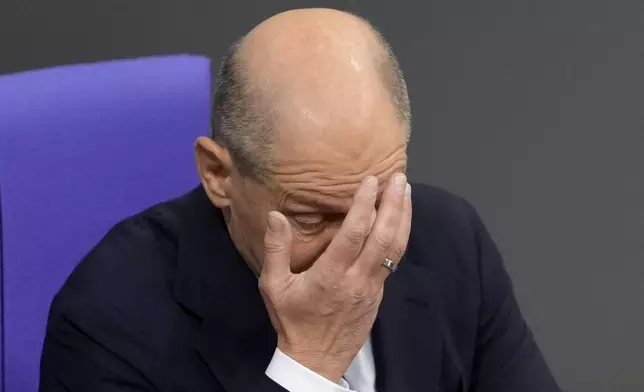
239, 125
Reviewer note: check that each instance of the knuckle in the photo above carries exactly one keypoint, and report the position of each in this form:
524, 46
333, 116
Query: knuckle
397, 251
273, 246
363, 291
355, 235
358, 290
384, 241
392, 202
359, 293
327, 280
264, 285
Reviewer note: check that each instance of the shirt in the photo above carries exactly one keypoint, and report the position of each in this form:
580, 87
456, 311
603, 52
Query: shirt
294, 377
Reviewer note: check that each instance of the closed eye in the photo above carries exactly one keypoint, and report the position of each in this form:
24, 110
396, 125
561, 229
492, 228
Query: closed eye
308, 222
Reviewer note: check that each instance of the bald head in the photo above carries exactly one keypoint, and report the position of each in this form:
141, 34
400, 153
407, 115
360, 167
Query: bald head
318, 72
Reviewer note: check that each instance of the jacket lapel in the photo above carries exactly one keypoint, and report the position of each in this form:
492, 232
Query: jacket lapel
408, 333
236, 338
238, 343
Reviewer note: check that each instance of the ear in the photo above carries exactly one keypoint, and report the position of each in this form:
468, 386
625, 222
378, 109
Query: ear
215, 169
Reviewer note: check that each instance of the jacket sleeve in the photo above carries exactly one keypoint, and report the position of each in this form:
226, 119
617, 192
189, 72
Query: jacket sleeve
507, 358
84, 351
74, 361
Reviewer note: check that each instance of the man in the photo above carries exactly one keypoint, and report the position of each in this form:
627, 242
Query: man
281, 271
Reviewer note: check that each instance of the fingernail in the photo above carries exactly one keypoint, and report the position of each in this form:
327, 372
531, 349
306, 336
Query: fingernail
408, 191
274, 224
400, 181
371, 185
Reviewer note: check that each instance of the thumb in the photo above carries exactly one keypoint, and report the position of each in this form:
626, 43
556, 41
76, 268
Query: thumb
277, 246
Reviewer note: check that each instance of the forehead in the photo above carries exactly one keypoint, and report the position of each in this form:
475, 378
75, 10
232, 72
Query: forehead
322, 184
329, 139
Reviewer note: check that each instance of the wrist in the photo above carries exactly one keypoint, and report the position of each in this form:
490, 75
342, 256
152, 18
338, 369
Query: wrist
330, 368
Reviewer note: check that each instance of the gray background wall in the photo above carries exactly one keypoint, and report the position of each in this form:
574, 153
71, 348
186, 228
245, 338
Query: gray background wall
531, 110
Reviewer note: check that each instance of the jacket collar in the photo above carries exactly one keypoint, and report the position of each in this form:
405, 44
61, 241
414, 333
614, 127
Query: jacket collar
237, 340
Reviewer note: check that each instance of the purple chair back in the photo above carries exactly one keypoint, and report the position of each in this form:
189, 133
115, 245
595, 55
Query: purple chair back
81, 148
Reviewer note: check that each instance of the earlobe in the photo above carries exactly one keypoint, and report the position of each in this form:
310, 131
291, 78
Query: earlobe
215, 167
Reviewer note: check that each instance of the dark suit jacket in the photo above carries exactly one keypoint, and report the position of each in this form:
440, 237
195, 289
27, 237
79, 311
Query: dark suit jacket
165, 303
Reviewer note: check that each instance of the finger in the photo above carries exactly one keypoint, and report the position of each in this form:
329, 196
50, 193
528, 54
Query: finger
401, 240
347, 243
385, 228
277, 247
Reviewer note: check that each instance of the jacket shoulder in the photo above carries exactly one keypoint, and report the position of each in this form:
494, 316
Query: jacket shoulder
444, 233
130, 268
439, 203
116, 313
441, 213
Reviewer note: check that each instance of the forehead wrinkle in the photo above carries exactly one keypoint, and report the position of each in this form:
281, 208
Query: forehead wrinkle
312, 202
336, 196
307, 175
330, 193
323, 169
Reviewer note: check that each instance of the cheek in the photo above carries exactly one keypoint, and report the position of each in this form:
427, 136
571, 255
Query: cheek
250, 223
308, 249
